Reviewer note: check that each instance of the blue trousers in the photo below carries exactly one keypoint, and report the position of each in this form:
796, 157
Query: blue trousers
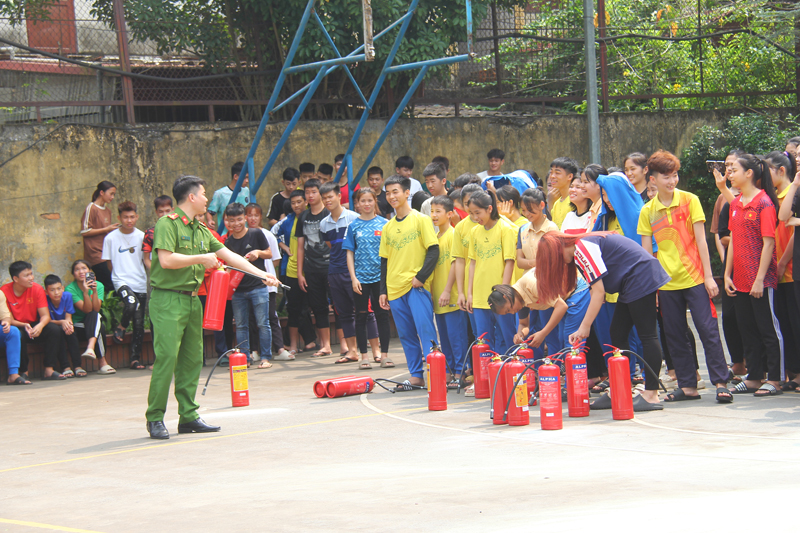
258, 300
453, 338
12, 342
486, 321
413, 318
578, 303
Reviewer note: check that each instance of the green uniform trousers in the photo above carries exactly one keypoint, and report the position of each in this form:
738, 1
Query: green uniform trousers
178, 345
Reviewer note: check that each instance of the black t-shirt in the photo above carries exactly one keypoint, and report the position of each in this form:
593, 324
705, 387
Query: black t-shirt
317, 251
276, 206
644, 196
384, 209
722, 228
254, 239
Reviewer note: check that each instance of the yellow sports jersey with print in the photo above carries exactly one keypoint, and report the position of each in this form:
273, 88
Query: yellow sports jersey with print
461, 246
404, 244
672, 227
291, 266
441, 272
490, 249
560, 210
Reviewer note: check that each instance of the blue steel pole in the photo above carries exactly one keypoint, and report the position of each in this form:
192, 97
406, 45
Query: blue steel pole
336, 51
292, 123
273, 98
374, 96
469, 27
390, 124
348, 160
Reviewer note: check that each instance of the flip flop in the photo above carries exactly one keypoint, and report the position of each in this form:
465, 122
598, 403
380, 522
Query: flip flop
741, 388
600, 387
603, 402
770, 389
790, 386
265, 364
404, 386
726, 397
344, 359
18, 381
453, 384
321, 354
136, 365
377, 359
365, 365
679, 396
55, 376
640, 405
387, 363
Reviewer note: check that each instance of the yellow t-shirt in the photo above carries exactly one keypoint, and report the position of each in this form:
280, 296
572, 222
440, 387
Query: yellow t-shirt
529, 238
518, 272
291, 266
672, 227
461, 246
560, 210
490, 249
614, 226
441, 273
404, 244
782, 235
527, 288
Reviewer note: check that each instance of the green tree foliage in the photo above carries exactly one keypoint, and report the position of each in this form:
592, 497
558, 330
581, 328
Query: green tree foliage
730, 63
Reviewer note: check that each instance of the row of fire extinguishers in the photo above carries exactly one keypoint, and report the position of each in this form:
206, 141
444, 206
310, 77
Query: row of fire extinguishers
513, 382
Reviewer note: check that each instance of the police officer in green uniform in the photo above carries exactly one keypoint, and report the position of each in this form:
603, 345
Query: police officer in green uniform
183, 248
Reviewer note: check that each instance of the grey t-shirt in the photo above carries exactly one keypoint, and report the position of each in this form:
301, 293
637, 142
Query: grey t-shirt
317, 251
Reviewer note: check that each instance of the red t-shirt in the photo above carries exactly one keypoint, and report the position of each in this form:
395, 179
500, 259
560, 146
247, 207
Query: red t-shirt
344, 193
25, 308
749, 225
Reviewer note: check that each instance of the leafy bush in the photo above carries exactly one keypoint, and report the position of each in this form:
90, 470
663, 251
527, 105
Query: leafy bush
111, 313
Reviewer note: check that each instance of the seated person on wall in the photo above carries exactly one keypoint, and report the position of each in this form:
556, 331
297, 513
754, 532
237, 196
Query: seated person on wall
87, 297
61, 309
9, 337
27, 302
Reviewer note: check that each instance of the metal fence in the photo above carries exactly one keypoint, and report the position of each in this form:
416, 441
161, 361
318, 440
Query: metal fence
72, 65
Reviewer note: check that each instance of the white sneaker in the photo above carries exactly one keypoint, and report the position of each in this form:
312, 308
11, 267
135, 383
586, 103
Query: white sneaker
254, 357
283, 356
701, 384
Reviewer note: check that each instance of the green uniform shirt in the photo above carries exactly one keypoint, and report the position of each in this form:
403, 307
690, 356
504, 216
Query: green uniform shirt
179, 234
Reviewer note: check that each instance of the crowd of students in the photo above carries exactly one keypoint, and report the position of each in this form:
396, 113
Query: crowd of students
608, 256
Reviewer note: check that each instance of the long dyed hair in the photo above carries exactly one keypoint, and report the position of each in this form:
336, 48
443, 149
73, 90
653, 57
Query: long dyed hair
554, 277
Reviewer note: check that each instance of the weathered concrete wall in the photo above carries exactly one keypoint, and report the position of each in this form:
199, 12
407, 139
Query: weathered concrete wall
44, 191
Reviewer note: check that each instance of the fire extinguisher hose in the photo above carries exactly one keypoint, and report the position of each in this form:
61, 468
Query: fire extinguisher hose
378, 382
219, 360
284, 287
494, 389
648, 367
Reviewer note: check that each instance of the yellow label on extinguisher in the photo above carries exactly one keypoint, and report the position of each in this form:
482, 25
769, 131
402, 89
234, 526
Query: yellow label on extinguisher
521, 391
428, 376
239, 378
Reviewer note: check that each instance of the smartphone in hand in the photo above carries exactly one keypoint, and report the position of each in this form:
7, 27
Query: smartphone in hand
90, 277
719, 165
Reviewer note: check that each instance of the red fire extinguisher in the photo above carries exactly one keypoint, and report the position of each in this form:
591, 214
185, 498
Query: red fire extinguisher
349, 386
514, 376
526, 358
437, 380
240, 392
320, 387
577, 383
550, 395
497, 392
619, 378
480, 367
216, 300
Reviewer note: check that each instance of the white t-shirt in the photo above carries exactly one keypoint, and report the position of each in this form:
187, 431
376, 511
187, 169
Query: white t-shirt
125, 253
574, 223
483, 175
276, 255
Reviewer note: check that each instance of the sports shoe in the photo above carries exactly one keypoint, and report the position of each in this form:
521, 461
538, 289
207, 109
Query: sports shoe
283, 355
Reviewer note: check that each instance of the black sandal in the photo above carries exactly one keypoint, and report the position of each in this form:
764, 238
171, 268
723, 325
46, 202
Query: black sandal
790, 386
724, 395
601, 387
119, 335
136, 365
19, 381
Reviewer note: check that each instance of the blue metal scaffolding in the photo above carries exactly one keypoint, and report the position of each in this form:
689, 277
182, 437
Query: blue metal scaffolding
324, 68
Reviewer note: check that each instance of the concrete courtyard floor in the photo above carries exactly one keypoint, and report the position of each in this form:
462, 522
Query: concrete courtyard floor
75, 456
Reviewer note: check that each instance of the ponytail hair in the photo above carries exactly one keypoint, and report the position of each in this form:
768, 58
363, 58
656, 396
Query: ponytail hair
761, 172
484, 200
103, 186
783, 160
533, 197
